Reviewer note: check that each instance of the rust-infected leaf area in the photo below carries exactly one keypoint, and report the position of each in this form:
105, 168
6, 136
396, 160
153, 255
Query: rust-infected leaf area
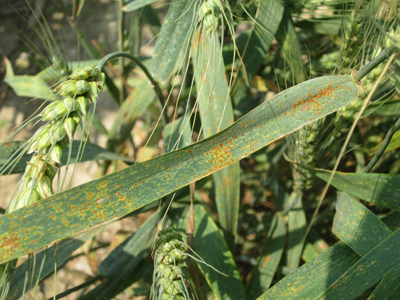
113, 196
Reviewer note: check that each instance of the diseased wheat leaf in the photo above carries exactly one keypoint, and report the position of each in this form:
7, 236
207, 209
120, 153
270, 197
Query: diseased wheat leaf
216, 113
389, 287
211, 246
113, 196
119, 267
173, 38
367, 271
357, 226
314, 278
297, 224
382, 189
269, 16
268, 261
56, 254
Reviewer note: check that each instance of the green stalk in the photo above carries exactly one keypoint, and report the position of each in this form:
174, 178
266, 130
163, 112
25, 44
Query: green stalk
156, 87
384, 55
383, 147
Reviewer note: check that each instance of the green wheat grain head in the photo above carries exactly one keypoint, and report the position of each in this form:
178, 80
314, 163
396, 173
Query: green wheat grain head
170, 276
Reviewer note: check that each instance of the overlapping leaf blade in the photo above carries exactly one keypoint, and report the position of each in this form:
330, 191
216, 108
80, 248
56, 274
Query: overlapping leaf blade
117, 194
357, 226
382, 189
216, 113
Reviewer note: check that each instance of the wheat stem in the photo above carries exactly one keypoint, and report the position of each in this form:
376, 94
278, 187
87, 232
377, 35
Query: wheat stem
156, 87
383, 147
384, 55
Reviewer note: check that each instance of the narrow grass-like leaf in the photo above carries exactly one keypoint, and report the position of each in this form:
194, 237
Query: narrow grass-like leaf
56, 254
30, 86
367, 271
113, 196
269, 16
388, 109
210, 245
111, 287
120, 259
393, 145
131, 109
287, 38
177, 134
268, 261
152, 20
136, 4
297, 225
357, 226
313, 278
216, 113
382, 189
77, 8
313, 246
389, 287
173, 37
120, 265
91, 152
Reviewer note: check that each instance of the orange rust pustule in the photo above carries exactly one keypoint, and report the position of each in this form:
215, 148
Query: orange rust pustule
10, 241
222, 156
312, 99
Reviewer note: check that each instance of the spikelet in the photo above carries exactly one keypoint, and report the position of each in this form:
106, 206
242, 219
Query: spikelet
208, 15
170, 267
47, 144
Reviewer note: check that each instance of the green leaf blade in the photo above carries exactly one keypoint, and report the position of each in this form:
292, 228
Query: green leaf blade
120, 193
357, 226
216, 113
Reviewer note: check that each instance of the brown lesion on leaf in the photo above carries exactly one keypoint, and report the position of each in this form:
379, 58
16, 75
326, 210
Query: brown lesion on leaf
312, 99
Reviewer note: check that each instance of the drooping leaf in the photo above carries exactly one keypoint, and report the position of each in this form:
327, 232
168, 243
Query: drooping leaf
117, 194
